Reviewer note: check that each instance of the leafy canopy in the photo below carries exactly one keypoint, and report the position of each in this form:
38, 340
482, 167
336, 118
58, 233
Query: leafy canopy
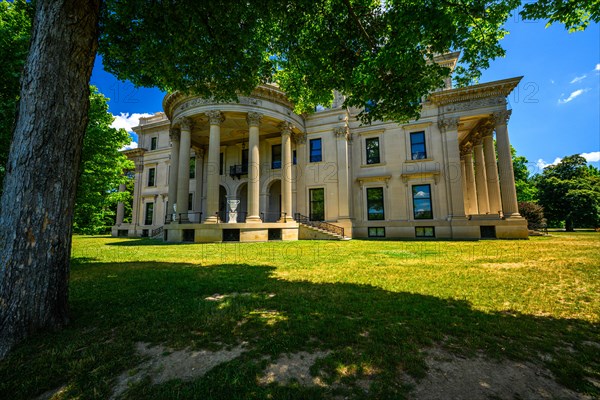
102, 166
376, 53
570, 193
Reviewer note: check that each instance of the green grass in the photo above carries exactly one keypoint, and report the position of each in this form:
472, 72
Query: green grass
377, 305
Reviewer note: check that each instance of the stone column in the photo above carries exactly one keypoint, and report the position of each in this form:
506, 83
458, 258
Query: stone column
137, 198
449, 129
464, 180
470, 180
215, 118
342, 134
174, 134
121, 206
183, 174
199, 170
286, 171
254, 119
483, 203
508, 191
491, 170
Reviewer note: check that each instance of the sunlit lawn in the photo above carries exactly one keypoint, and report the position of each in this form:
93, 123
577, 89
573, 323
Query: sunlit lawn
377, 305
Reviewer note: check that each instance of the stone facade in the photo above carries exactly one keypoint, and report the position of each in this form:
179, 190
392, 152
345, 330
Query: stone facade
435, 177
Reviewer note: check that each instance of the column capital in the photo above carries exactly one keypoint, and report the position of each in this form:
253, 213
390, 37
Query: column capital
477, 139
174, 134
342, 132
215, 117
448, 124
198, 151
300, 138
185, 124
254, 118
286, 128
465, 150
501, 117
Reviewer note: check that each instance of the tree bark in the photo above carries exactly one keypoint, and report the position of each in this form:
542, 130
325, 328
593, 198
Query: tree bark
42, 170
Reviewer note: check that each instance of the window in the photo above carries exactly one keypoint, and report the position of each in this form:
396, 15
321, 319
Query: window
425, 231
245, 159
375, 208
276, 156
149, 214
317, 204
372, 146
192, 167
294, 157
153, 143
221, 163
152, 177
377, 232
417, 146
190, 201
422, 201
316, 151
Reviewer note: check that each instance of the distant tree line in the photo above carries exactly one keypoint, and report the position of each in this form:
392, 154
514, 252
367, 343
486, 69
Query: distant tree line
563, 195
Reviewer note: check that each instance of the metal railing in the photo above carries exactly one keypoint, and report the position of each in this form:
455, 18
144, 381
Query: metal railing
273, 216
236, 171
156, 232
189, 217
303, 219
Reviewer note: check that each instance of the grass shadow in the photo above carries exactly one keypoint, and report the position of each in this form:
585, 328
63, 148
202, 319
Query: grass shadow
372, 334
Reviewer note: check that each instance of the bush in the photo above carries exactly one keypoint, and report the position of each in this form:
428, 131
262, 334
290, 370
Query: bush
533, 213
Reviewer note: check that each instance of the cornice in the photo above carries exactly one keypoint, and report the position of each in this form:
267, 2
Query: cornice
469, 93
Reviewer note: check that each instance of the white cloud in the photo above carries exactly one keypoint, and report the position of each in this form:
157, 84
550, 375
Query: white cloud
578, 78
552, 81
127, 121
541, 164
597, 68
573, 96
594, 156
130, 146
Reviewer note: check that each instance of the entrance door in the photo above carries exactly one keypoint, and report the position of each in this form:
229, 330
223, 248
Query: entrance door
317, 204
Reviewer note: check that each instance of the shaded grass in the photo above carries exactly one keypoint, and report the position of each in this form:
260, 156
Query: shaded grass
375, 304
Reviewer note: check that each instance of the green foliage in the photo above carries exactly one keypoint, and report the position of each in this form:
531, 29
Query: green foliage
378, 54
102, 166
533, 213
570, 193
575, 15
15, 26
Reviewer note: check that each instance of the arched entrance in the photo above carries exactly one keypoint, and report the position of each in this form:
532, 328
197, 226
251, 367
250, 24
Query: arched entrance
222, 204
273, 213
242, 196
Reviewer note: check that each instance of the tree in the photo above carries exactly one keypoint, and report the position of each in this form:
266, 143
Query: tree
570, 193
376, 54
15, 26
102, 167
526, 189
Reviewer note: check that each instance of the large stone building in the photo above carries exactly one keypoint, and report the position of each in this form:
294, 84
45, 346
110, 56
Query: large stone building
253, 170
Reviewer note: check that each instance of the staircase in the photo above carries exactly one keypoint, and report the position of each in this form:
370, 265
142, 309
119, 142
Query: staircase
157, 233
320, 229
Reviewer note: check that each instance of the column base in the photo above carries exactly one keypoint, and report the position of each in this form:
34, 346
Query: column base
211, 220
253, 219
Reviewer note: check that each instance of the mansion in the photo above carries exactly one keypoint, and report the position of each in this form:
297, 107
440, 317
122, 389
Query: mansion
253, 170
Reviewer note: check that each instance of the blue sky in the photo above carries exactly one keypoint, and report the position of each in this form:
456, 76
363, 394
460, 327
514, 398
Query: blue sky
556, 107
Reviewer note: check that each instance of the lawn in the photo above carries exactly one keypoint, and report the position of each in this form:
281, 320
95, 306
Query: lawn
372, 308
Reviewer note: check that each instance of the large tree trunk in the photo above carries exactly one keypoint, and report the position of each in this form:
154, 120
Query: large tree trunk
42, 171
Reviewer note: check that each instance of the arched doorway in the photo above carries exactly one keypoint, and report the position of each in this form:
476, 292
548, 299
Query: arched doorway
242, 196
273, 213
222, 204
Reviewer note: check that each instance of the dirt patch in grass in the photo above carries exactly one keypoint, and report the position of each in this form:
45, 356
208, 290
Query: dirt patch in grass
164, 364
293, 368
454, 377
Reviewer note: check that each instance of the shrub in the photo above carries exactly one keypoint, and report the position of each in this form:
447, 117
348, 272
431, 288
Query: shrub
533, 213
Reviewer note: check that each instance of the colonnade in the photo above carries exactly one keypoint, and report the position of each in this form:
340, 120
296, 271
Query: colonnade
489, 186
180, 136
